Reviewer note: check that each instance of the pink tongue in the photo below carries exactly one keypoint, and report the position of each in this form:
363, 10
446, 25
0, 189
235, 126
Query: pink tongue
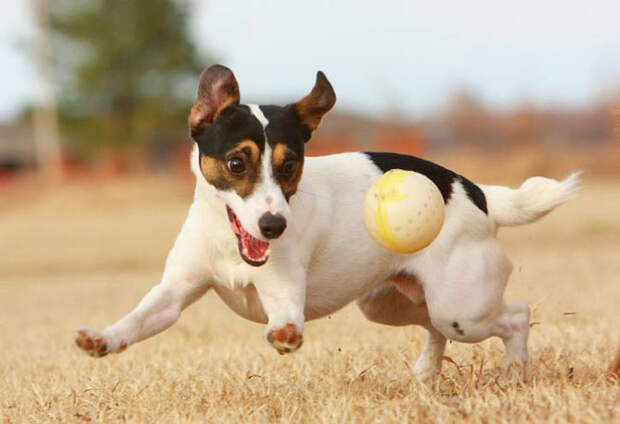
256, 248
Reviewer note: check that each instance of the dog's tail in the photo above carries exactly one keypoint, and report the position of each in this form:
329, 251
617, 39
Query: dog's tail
536, 197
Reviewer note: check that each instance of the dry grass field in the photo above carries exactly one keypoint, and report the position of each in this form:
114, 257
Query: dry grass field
84, 254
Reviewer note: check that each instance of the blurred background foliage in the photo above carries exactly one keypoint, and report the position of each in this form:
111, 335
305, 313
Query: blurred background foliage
125, 71
121, 77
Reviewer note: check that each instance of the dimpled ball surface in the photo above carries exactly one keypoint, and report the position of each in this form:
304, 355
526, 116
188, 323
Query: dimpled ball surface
403, 211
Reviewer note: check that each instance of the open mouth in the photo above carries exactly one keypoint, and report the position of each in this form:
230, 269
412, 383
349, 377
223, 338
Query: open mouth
252, 250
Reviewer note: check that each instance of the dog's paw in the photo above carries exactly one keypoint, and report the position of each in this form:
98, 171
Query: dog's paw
95, 343
92, 342
285, 339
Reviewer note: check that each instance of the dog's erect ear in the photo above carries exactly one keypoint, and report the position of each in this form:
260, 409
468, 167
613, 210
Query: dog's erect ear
218, 89
321, 99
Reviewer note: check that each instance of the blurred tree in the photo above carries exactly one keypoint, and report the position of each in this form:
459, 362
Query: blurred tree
124, 68
45, 118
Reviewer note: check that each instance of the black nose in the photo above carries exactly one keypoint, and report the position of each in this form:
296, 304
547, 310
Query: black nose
272, 225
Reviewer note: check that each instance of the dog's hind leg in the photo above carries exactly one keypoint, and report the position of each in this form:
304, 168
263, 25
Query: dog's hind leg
465, 302
429, 363
388, 305
513, 326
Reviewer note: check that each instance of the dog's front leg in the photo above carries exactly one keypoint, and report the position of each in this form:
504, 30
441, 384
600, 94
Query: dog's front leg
184, 281
157, 311
283, 294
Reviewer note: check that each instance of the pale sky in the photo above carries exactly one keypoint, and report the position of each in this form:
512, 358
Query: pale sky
386, 56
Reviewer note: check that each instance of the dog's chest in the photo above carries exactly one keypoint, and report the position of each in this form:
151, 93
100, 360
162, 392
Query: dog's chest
233, 284
230, 271
244, 301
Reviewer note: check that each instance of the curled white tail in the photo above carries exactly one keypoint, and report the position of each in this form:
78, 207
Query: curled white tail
536, 197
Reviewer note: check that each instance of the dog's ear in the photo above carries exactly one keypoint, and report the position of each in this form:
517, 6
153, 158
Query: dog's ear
321, 99
218, 89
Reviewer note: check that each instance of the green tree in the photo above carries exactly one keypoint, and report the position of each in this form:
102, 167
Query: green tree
124, 69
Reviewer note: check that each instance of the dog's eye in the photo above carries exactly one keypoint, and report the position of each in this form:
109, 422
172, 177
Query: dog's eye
288, 168
236, 165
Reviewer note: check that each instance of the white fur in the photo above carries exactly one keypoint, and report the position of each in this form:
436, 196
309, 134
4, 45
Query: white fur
325, 259
535, 198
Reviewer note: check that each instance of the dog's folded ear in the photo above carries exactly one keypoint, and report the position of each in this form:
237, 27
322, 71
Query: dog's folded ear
321, 99
218, 89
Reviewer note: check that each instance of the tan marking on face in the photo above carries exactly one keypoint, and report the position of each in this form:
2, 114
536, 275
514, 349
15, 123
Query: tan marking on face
216, 171
250, 147
281, 154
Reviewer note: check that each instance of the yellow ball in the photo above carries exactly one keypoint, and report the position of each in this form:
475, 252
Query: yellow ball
403, 211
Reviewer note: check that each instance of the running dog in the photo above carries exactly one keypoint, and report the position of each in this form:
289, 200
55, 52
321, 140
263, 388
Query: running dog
280, 237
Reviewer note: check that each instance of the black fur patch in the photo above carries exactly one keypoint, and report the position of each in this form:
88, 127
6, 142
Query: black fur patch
285, 127
233, 125
442, 177
458, 329
475, 194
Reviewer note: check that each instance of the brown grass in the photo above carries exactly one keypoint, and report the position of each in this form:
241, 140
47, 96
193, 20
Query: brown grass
85, 254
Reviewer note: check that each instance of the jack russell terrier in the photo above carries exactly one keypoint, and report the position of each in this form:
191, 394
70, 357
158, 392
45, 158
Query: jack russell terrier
281, 239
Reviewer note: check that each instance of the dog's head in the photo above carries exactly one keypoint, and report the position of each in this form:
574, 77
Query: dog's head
254, 155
